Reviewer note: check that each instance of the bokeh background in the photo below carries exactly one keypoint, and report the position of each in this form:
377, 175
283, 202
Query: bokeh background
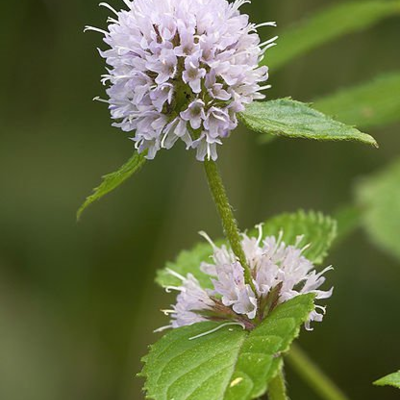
77, 300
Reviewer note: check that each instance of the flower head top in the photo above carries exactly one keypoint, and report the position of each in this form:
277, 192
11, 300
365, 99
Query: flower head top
280, 272
182, 70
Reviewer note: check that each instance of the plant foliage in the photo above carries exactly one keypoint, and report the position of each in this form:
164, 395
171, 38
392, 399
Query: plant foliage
113, 180
329, 24
389, 380
368, 105
290, 118
229, 364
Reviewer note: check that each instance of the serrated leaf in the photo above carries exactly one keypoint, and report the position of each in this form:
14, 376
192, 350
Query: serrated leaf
259, 360
325, 26
290, 118
389, 380
318, 230
368, 105
379, 198
229, 364
113, 180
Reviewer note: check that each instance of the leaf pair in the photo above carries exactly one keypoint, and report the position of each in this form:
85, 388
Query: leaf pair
283, 117
232, 364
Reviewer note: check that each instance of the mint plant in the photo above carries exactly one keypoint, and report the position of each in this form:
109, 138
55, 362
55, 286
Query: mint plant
191, 71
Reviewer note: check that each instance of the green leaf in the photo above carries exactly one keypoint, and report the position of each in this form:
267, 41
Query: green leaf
368, 105
390, 380
113, 180
229, 364
319, 231
379, 198
329, 24
290, 118
258, 362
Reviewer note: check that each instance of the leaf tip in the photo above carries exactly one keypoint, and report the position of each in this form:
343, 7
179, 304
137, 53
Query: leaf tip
80, 211
371, 140
79, 215
389, 380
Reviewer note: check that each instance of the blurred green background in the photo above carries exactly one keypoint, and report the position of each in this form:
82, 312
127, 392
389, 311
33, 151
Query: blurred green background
77, 300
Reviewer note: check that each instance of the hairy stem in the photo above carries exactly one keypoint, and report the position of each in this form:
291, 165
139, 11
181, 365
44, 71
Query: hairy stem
313, 375
277, 388
225, 212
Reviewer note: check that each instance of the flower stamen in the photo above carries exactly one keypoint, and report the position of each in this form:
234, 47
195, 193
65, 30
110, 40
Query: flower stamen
217, 329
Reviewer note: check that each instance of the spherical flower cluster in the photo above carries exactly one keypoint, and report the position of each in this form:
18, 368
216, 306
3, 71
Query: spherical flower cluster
182, 70
279, 272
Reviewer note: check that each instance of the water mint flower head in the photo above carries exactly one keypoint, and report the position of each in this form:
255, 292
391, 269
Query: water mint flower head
279, 272
182, 70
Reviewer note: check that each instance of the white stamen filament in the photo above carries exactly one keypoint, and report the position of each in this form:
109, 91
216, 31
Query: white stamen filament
164, 139
106, 5
266, 24
112, 20
269, 46
279, 241
217, 329
99, 99
162, 329
169, 289
322, 308
168, 312
327, 269
260, 233
94, 29
205, 236
171, 272
269, 41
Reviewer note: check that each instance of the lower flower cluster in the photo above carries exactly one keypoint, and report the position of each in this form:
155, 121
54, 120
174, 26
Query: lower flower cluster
279, 273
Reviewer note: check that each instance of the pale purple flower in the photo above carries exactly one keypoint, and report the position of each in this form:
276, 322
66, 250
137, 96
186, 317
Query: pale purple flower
231, 287
191, 298
182, 70
279, 272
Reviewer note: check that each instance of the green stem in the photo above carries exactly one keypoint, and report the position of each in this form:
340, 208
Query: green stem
312, 374
277, 388
229, 223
